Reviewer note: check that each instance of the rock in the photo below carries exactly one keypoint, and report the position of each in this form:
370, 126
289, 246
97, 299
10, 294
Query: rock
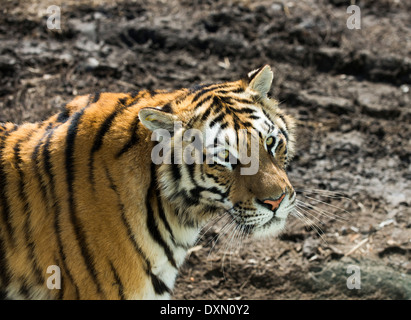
86, 45
87, 29
7, 64
336, 105
32, 48
91, 63
370, 103
310, 247
404, 88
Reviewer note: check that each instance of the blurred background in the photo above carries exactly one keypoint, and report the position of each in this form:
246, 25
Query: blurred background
348, 88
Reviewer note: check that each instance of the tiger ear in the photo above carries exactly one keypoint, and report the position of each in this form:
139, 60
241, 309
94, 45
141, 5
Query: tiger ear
260, 80
153, 118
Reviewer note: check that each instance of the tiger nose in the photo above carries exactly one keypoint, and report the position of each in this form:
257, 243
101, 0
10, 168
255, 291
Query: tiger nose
274, 204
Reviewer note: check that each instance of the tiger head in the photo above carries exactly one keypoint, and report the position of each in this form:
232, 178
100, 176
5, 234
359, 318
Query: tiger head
226, 152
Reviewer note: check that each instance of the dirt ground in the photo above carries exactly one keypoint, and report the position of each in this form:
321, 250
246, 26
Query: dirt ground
348, 88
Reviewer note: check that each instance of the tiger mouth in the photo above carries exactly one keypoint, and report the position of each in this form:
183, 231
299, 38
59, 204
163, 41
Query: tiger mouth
253, 219
250, 228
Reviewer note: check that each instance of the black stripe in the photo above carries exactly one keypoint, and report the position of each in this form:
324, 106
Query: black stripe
188, 199
285, 134
206, 114
196, 191
27, 211
200, 94
237, 90
159, 286
36, 165
217, 103
151, 92
175, 170
283, 119
211, 176
4, 204
63, 116
217, 119
133, 101
163, 217
226, 100
98, 140
247, 124
70, 170
198, 87
133, 138
224, 125
96, 97
269, 125
126, 224
48, 169
202, 101
118, 282
191, 172
151, 221
167, 108
133, 94
243, 101
208, 89
279, 145
245, 110
24, 290
203, 167
5, 275
267, 116
122, 101
104, 128
190, 123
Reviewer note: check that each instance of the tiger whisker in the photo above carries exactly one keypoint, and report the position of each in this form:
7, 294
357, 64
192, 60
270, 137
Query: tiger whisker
311, 215
235, 241
211, 224
322, 212
222, 231
310, 223
244, 235
229, 245
302, 217
328, 204
325, 193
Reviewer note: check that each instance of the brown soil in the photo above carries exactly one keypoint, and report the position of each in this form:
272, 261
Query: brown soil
349, 90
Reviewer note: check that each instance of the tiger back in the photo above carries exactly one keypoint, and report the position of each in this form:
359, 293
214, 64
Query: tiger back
80, 193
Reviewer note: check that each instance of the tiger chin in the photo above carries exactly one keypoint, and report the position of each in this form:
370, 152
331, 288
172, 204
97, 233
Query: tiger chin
81, 194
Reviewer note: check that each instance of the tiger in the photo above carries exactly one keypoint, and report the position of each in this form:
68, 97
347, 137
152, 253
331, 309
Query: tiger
80, 193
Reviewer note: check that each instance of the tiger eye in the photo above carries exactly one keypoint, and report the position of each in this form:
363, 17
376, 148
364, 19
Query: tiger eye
224, 154
270, 141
